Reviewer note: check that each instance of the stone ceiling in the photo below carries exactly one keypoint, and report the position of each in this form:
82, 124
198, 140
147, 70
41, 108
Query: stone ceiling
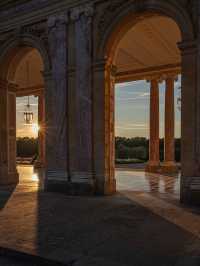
150, 44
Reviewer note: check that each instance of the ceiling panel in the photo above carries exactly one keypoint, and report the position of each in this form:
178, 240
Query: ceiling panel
150, 43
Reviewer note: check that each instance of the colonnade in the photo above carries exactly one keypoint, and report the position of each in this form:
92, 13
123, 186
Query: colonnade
169, 165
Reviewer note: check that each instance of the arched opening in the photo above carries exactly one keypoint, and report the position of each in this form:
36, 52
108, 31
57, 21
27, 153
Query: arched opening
22, 89
148, 64
157, 59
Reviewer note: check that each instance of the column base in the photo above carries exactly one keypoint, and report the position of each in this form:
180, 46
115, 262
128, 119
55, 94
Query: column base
74, 186
8, 178
190, 195
152, 167
105, 188
169, 168
38, 164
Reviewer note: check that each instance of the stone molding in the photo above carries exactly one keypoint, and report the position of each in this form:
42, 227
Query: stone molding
6, 85
82, 177
162, 77
188, 47
56, 20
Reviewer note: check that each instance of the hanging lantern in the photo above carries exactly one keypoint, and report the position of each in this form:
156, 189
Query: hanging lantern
28, 114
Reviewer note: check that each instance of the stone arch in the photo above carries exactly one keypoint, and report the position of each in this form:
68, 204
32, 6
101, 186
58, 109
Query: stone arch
130, 14
16, 48
121, 18
12, 52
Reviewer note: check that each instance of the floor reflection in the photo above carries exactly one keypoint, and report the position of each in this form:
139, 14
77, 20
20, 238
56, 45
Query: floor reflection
141, 181
30, 178
138, 181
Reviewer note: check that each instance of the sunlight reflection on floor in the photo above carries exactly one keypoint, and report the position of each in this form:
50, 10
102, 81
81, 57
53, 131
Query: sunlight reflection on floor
30, 178
136, 181
146, 182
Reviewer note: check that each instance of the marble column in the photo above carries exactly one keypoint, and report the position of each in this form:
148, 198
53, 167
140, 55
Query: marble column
82, 174
154, 154
40, 162
169, 166
190, 138
103, 128
56, 112
8, 171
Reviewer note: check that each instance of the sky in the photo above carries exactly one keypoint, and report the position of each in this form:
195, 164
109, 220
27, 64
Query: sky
131, 111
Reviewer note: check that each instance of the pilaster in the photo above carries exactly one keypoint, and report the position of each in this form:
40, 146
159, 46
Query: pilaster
8, 171
81, 172
103, 127
56, 112
190, 174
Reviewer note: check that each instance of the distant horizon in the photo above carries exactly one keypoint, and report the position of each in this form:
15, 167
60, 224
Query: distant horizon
131, 111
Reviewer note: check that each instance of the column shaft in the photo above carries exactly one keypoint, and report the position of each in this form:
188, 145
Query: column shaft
169, 120
169, 165
154, 156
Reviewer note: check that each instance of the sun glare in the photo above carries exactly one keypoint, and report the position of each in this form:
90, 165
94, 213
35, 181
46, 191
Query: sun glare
35, 128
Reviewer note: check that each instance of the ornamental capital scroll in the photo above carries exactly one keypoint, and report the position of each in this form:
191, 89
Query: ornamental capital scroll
87, 10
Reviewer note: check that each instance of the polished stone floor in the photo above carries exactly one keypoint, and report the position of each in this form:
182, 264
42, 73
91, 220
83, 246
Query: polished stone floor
127, 179
143, 224
140, 181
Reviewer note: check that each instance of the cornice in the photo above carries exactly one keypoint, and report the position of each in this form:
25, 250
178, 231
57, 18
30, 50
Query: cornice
28, 12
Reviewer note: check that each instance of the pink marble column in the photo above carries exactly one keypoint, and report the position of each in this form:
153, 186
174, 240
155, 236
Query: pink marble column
169, 165
154, 156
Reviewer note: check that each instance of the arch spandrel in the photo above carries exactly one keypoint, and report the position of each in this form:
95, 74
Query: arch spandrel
15, 48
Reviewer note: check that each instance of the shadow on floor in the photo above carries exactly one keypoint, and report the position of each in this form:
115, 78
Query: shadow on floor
93, 231
5, 194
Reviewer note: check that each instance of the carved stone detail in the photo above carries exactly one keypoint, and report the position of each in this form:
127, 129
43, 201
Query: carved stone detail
82, 18
87, 10
109, 12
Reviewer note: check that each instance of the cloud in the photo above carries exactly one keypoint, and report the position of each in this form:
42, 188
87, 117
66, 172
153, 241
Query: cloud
144, 94
132, 126
138, 97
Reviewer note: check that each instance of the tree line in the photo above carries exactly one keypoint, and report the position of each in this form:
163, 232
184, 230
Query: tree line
27, 147
125, 148
138, 148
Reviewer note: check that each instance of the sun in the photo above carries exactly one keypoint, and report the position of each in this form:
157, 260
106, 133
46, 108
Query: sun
35, 128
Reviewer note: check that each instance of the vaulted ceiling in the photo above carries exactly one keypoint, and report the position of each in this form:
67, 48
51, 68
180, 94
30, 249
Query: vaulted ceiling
28, 73
150, 44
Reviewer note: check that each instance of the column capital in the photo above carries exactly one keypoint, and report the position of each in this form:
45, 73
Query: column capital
172, 76
87, 10
47, 75
3, 84
151, 78
12, 87
162, 77
57, 19
100, 65
188, 47
6, 85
